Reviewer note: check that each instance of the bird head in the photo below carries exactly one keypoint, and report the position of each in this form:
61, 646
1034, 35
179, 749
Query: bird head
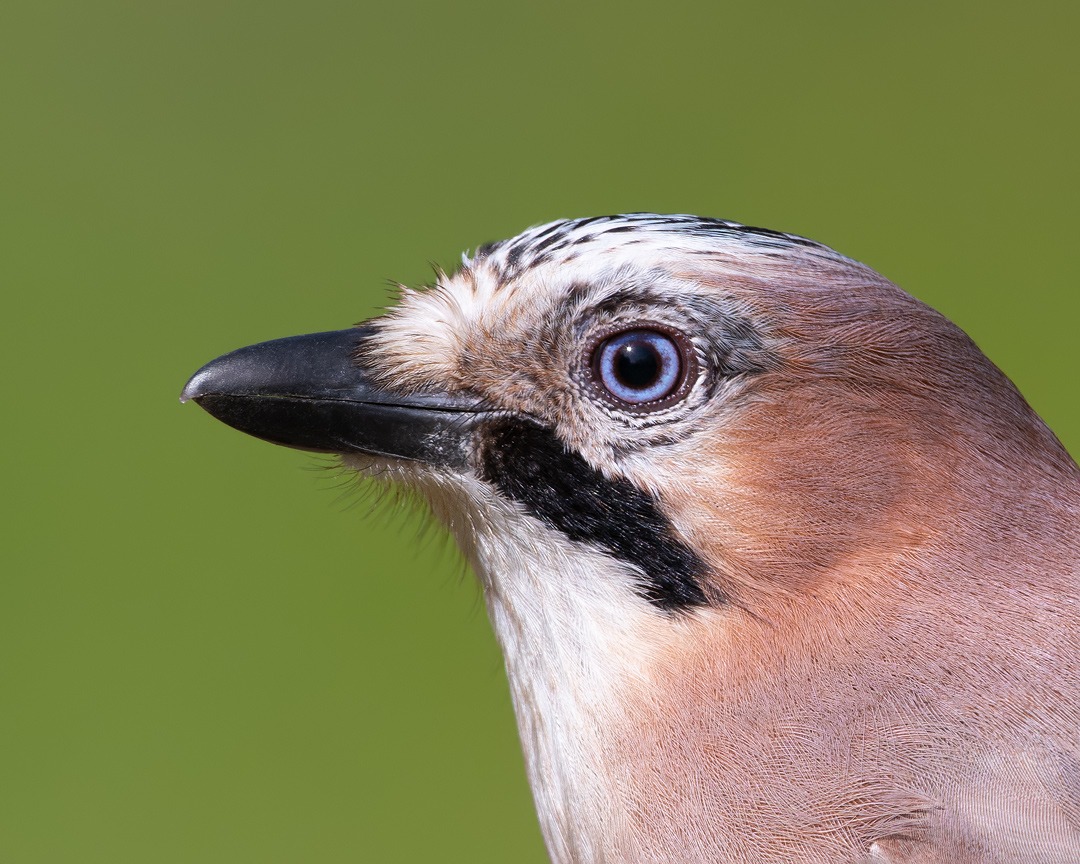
694, 464
737, 409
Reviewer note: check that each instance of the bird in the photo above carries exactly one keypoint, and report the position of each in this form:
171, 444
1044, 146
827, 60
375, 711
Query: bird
783, 568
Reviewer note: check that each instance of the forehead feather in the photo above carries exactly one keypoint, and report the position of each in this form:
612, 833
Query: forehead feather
514, 290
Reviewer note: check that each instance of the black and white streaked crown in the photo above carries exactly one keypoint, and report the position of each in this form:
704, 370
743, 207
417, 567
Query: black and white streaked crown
566, 239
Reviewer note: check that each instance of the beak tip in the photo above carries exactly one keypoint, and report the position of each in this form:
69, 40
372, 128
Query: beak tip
195, 387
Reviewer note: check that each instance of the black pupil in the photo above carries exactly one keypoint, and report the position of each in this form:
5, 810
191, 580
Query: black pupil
637, 365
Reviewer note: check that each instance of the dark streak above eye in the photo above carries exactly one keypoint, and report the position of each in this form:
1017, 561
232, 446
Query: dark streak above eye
530, 465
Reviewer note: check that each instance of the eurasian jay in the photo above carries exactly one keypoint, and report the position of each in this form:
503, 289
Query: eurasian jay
783, 568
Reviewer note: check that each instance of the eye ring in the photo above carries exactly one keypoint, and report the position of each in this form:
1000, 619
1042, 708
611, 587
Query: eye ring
641, 368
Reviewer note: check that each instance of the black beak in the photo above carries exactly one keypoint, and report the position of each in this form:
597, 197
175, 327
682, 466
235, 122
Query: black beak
310, 392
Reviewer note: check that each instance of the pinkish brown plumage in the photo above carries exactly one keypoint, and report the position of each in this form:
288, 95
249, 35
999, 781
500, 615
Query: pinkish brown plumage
809, 595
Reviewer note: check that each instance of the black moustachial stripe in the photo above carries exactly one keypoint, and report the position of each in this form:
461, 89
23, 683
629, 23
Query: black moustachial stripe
528, 464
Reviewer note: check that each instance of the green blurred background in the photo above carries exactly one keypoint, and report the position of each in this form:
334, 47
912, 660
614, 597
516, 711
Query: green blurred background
208, 651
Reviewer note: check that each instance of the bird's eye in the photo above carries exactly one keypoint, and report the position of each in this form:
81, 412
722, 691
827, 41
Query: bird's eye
640, 366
